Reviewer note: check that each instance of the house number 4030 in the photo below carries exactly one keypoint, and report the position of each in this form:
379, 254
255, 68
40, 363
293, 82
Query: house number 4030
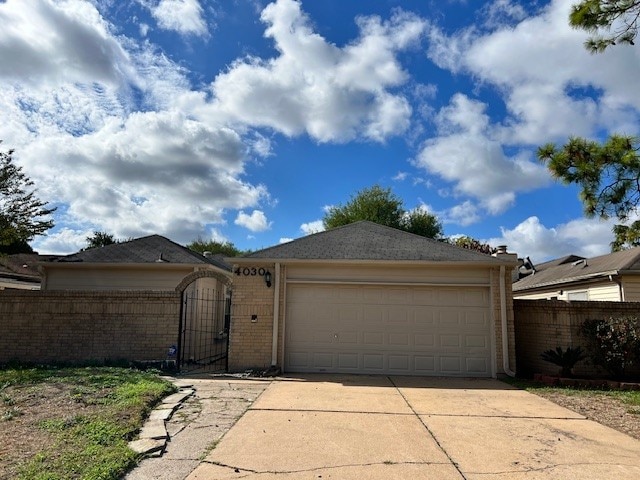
250, 271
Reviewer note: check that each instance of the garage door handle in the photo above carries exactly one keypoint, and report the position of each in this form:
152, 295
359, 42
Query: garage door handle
335, 335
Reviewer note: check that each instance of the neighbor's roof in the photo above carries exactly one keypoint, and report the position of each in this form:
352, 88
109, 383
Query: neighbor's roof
366, 240
151, 249
573, 268
22, 266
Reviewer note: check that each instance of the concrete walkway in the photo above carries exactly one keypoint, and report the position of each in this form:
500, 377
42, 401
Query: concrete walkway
197, 425
364, 427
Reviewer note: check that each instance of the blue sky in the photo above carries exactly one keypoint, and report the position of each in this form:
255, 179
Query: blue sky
243, 120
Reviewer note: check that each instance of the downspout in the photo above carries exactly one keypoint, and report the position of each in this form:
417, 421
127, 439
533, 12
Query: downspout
505, 330
276, 316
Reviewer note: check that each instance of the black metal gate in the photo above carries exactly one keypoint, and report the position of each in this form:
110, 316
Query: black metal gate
205, 315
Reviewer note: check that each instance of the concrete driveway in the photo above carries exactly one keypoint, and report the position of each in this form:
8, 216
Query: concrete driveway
368, 427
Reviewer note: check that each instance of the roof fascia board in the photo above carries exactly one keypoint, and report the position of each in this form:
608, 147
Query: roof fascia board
493, 262
120, 265
567, 281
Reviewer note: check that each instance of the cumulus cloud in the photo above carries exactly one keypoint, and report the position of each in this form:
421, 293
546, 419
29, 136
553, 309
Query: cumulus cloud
53, 42
466, 154
256, 222
545, 76
584, 237
62, 242
463, 214
156, 172
312, 227
333, 94
182, 16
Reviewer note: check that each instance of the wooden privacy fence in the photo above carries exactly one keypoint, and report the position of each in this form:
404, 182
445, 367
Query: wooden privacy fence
546, 324
83, 326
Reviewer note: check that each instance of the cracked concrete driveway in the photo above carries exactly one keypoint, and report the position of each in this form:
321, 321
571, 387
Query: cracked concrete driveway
357, 427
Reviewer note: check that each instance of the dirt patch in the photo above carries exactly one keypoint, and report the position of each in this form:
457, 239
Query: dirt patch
22, 409
603, 409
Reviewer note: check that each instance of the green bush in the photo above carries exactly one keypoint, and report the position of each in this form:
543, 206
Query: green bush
613, 343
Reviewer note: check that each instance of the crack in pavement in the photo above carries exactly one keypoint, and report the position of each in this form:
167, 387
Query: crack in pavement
316, 469
454, 463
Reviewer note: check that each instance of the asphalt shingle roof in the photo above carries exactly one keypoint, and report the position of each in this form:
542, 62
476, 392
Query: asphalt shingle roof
366, 240
151, 249
573, 268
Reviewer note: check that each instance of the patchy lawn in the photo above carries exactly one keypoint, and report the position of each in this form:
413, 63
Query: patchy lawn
73, 423
614, 408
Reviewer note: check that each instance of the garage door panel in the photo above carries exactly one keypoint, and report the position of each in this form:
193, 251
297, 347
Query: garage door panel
359, 329
424, 365
373, 361
424, 340
475, 341
322, 360
401, 339
475, 317
448, 317
478, 365
348, 361
347, 338
373, 338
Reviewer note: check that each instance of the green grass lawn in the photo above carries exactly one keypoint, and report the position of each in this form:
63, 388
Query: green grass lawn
628, 397
79, 420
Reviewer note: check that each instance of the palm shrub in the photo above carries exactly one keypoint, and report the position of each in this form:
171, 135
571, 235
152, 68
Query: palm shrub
565, 359
613, 343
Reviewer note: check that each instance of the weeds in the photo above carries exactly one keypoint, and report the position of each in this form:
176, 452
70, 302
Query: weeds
92, 443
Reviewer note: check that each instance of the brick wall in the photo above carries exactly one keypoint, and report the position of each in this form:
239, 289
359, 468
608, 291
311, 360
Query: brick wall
546, 324
251, 339
81, 326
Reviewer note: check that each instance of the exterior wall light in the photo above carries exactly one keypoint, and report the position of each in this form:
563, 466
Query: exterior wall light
267, 278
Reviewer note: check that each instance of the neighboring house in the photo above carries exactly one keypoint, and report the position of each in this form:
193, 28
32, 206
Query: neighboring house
365, 298
20, 271
613, 277
147, 263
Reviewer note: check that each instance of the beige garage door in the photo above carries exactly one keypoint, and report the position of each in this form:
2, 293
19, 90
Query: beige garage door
388, 330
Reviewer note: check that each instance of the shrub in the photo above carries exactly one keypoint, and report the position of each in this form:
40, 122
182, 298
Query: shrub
565, 359
613, 343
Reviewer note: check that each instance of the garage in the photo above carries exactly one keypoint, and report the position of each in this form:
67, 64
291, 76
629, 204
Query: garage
370, 299
387, 329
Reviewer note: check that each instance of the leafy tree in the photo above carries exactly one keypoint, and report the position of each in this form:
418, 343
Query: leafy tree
227, 249
607, 173
100, 239
22, 214
422, 223
380, 205
610, 22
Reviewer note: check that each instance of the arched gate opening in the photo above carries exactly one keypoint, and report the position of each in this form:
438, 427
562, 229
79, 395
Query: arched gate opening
205, 315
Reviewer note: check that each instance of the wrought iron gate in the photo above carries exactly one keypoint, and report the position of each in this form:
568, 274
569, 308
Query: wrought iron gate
205, 315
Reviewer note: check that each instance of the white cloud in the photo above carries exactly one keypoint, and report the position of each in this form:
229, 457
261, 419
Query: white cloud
312, 227
156, 172
463, 214
400, 176
256, 222
53, 42
285, 240
539, 68
182, 16
585, 237
502, 13
333, 94
62, 242
468, 156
